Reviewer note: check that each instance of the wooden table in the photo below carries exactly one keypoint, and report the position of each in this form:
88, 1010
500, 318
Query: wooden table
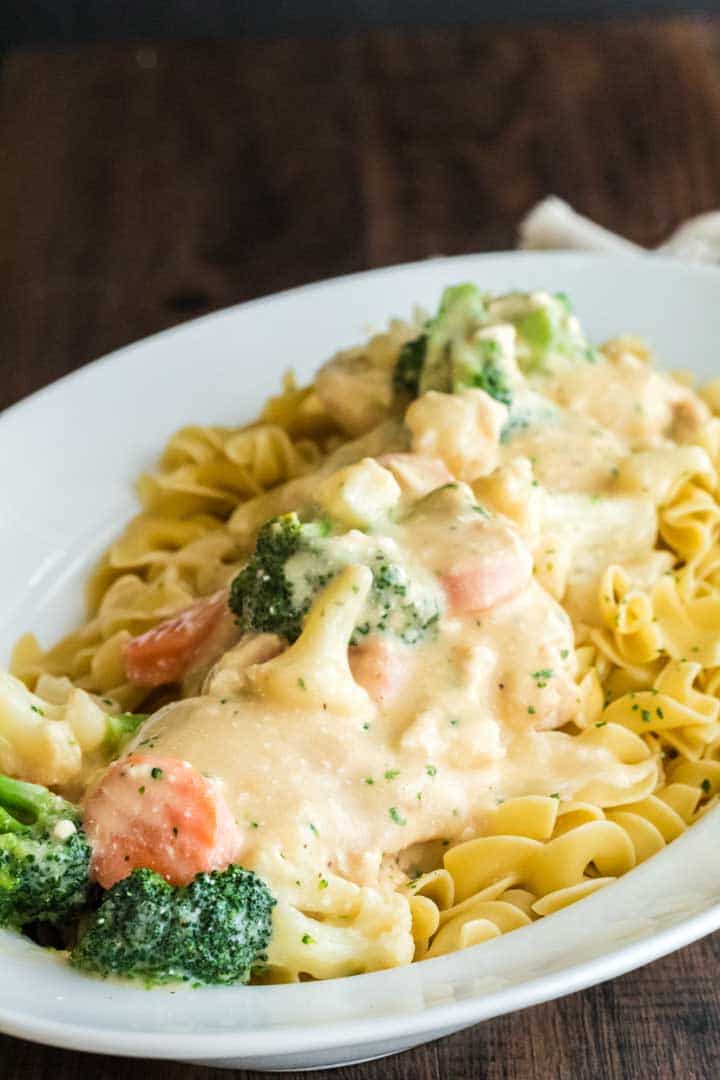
142, 185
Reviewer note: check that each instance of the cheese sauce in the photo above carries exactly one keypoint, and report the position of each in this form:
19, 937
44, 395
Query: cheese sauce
447, 728
402, 739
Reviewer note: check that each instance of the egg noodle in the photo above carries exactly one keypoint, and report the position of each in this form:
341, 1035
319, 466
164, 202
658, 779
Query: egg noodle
505, 692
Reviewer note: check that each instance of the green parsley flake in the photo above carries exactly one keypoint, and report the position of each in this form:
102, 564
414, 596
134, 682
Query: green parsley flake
37, 710
390, 774
323, 883
156, 773
645, 716
601, 723
301, 684
431, 770
706, 786
541, 677
307, 940
396, 816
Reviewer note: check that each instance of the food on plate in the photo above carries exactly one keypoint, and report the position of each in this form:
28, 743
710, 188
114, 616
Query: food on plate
213, 930
44, 856
428, 652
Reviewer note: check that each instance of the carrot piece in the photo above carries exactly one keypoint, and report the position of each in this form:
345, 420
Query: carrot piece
166, 653
160, 813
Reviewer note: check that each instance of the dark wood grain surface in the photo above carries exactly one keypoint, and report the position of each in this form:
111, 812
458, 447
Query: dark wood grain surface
144, 184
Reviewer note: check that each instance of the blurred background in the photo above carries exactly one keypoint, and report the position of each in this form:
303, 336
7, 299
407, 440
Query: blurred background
162, 158
87, 20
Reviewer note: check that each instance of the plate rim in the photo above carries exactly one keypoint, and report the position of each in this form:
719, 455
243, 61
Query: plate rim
339, 1031
657, 260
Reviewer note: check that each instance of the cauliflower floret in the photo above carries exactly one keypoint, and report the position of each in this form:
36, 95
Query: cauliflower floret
463, 430
379, 935
44, 741
416, 474
511, 490
360, 494
316, 667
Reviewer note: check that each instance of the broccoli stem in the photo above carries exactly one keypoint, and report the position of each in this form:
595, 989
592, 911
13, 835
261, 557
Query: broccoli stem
29, 801
119, 730
8, 823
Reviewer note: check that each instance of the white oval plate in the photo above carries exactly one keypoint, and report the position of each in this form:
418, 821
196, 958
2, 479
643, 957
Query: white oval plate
69, 456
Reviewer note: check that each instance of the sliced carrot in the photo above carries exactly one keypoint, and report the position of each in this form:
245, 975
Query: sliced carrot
379, 669
160, 813
167, 652
487, 579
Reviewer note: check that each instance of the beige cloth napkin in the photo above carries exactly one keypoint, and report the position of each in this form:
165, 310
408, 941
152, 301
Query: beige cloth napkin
553, 224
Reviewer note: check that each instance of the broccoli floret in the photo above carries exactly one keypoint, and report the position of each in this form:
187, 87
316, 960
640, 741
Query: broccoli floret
214, 930
448, 356
452, 357
546, 326
261, 596
265, 599
118, 729
392, 608
489, 375
44, 855
408, 369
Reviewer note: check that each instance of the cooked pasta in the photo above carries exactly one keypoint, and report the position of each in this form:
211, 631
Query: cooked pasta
432, 648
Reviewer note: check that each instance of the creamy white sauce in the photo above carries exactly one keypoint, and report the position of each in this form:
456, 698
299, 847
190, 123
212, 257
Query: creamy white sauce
340, 792
470, 720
